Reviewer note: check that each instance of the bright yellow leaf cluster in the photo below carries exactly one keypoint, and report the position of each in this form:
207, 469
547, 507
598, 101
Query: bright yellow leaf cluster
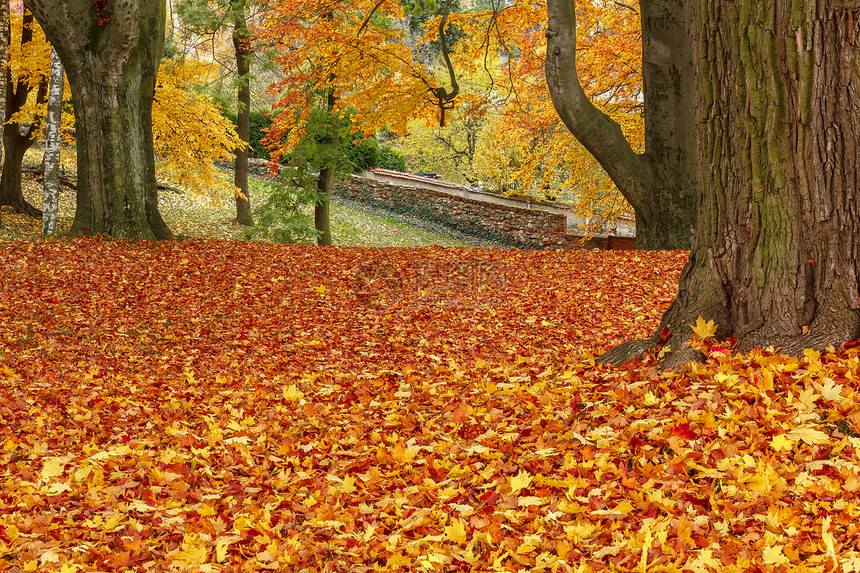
189, 132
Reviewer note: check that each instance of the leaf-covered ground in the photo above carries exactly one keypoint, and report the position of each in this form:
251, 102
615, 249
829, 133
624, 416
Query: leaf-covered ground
198, 216
219, 406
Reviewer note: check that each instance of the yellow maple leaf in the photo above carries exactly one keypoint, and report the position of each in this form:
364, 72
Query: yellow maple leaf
782, 443
456, 532
704, 329
705, 562
348, 485
221, 551
205, 510
809, 435
193, 551
292, 393
53, 468
827, 537
773, 555
830, 390
520, 481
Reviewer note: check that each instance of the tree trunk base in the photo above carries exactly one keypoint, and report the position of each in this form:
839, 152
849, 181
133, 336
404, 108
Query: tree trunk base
24, 208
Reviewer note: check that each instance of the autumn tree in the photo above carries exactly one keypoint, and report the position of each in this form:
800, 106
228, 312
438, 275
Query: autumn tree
190, 133
660, 182
111, 50
774, 259
207, 17
523, 145
24, 78
351, 56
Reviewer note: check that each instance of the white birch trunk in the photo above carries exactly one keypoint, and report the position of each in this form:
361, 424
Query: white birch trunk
53, 124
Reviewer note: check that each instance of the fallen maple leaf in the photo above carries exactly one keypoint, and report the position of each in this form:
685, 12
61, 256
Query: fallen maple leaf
520, 482
704, 329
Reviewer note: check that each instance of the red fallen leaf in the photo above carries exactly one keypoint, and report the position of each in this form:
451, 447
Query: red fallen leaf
683, 431
460, 415
489, 498
665, 335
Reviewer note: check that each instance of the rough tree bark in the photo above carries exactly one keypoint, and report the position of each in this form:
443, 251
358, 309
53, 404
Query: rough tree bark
325, 182
660, 184
53, 125
17, 139
776, 258
5, 38
111, 50
243, 111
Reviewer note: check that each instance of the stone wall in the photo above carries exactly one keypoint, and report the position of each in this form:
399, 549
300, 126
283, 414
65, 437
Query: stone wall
508, 225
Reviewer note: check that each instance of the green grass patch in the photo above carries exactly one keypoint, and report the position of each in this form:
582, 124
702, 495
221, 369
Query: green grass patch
213, 217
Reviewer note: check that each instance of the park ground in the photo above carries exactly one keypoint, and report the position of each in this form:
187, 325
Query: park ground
207, 405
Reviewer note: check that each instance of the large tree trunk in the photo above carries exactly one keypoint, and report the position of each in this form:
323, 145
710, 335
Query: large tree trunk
111, 53
16, 141
660, 184
53, 124
776, 258
243, 115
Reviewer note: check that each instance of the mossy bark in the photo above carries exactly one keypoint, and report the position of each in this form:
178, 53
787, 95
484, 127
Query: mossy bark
111, 53
776, 258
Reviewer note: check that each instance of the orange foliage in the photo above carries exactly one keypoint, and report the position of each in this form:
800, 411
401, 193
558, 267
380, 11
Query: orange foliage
213, 406
609, 55
357, 50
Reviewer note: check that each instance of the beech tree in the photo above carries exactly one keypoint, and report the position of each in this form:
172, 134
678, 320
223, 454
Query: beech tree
111, 50
774, 258
53, 125
660, 183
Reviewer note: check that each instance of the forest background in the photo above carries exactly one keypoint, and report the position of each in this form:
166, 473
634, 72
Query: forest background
503, 133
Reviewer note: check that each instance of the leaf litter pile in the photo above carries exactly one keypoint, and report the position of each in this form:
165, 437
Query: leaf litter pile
219, 406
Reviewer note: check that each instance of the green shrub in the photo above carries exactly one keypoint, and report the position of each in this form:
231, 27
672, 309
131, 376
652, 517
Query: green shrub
360, 154
390, 158
282, 217
258, 124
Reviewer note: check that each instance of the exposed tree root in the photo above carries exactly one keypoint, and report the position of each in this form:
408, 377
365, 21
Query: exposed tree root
25, 208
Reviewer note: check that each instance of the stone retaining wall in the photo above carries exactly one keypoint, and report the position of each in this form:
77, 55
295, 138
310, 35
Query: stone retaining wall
504, 224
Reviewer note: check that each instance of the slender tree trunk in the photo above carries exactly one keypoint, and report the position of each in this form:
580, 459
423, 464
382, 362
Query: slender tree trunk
325, 183
15, 141
53, 124
660, 184
111, 53
775, 259
243, 116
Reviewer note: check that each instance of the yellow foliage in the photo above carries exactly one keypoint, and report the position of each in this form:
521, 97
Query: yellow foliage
189, 132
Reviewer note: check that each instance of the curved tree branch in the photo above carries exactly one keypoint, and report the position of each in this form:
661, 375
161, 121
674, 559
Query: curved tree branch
601, 135
444, 96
